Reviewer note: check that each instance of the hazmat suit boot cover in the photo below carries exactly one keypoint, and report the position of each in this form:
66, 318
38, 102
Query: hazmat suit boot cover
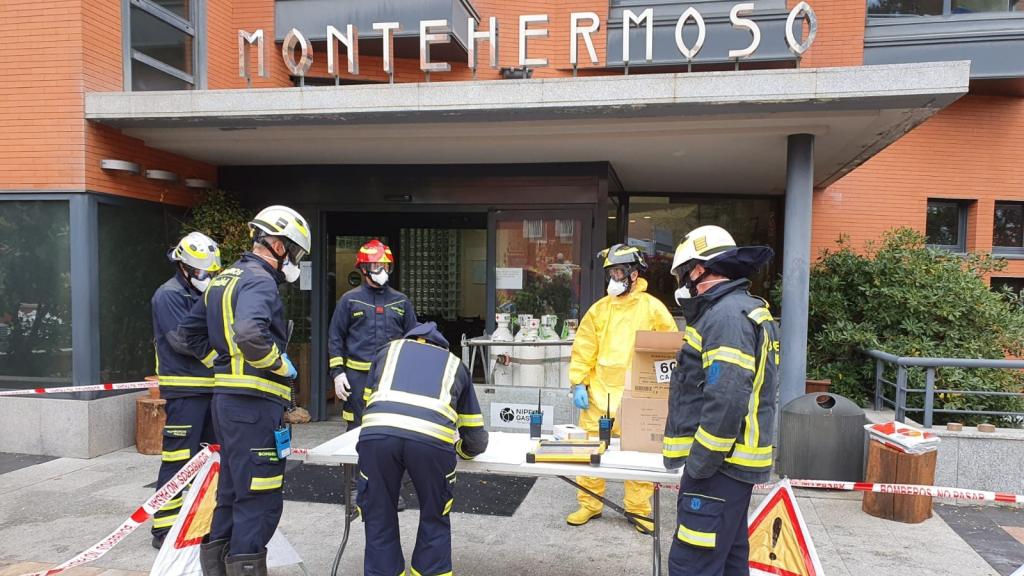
247, 564
582, 516
211, 557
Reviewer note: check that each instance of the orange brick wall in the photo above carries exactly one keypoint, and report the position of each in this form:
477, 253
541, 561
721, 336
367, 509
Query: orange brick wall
840, 39
970, 151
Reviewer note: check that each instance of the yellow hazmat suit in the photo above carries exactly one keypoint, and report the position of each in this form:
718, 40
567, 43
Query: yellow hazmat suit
601, 357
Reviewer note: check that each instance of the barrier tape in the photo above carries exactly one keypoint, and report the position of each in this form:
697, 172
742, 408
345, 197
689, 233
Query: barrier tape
166, 492
897, 489
90, 388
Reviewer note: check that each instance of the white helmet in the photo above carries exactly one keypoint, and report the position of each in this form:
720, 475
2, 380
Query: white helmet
701, 245
286, 223
198, 251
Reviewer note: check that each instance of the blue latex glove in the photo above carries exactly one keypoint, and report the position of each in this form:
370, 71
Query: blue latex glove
287, 364
580, 397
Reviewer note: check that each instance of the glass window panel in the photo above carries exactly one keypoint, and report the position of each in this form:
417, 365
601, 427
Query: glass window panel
133, 262
146, 77
161, 41
1008, 230
973, 6
35, 293
179, 7
1015, 285
904, 7
943, 224
658, 223
538, 261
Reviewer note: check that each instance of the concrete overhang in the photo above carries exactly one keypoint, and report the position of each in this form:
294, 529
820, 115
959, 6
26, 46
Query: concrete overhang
712, 132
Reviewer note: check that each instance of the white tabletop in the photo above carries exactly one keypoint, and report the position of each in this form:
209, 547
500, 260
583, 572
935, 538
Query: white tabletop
506, 454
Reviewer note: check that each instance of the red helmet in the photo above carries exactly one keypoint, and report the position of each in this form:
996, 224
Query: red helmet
373, 252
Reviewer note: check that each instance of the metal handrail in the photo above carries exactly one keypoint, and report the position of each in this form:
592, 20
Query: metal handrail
930, 364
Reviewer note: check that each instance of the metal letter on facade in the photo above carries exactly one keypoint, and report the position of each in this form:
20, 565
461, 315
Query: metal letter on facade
755, 30
628, 20
293, 38
491, 34
351, 42
524, 33
246, 39
388, 30
691, 13
804, 11
426, 39
586, 31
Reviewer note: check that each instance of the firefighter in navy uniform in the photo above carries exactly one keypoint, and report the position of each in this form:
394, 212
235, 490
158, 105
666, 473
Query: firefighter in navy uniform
243, 311
186, 383
722, 401
365, 319
420, 395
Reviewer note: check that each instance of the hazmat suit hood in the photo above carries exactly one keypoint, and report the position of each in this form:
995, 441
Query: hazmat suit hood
428, 332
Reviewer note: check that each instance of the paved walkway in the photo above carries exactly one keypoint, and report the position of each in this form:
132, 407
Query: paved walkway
50, 511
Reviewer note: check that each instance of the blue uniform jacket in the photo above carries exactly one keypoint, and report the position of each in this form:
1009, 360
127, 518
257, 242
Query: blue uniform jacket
364, 320
180, 374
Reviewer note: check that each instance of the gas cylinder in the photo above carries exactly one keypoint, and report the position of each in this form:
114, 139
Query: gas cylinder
569, 326
552, 354
531, 358
523, 328
500, 357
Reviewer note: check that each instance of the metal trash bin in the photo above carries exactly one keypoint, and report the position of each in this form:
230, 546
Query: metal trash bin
821, 437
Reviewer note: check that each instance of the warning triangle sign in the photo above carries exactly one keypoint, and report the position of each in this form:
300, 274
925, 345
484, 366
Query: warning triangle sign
779, 541
199, 516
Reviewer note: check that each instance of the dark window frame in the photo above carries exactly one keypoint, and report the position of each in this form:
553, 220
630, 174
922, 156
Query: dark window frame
962, 207
195, 27
1005, 250
947, 11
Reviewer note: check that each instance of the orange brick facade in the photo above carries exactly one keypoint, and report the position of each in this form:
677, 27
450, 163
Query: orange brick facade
968, 152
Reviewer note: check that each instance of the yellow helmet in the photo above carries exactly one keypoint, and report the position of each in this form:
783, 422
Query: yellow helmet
286, 223
701, 245
198, 251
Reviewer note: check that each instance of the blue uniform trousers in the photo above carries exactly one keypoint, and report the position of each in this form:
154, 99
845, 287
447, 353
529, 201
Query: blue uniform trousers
249, 497
189, 424
382, 462
356, 404
711, 530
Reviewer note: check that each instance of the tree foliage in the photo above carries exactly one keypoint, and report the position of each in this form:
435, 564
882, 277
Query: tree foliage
221, 216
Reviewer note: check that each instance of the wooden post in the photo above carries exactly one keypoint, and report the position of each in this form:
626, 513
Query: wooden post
150, 419
889, 466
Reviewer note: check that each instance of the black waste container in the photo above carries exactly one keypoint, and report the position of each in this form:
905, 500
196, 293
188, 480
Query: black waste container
821, 437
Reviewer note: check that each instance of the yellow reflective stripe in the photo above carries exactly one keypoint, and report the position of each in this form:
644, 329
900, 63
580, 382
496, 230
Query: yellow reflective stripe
176, 455
712, 442
448, 506
417, 573
458, 450
269, 483
760, 315
209, 358
451, 369
164, 521
751, 457
695, 538
730, 355
228, 318
693, 338
415, 400
388, 374
255, 383
186, 381
471, 420
752, 435
403, 422
173, 504
267, 361
676, 447
357, 365
337, 362
348, 416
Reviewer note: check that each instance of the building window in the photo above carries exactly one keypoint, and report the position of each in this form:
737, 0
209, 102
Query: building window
161, 44
1008, 228
1014, 285
938, 7
946, 225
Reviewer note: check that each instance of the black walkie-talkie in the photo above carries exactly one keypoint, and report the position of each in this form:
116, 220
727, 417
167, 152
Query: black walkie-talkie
536, 419
605, 423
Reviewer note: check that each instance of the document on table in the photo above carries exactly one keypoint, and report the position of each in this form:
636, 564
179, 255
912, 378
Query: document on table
506, 448
633, 461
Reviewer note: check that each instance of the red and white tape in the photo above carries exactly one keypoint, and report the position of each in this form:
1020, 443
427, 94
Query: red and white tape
90, 388
166, 492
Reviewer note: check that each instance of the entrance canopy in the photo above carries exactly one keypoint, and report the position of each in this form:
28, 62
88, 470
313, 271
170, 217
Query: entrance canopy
713, 132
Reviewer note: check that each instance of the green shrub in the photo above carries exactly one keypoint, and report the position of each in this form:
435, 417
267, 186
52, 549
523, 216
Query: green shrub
905, 298
221, 216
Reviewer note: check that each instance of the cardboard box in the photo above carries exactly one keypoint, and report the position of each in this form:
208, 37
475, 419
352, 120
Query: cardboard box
642, 423
651, 349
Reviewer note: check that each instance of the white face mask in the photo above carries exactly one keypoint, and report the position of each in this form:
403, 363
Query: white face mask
291, 271
682, 294
616, 287
200, 285
380, 278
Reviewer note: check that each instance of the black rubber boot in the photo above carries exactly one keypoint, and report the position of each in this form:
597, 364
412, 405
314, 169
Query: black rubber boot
247, 564
211, 557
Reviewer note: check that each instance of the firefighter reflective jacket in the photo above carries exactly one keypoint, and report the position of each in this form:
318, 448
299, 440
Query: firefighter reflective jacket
180, 374
422, 392
722, 397
243, 312
365, 319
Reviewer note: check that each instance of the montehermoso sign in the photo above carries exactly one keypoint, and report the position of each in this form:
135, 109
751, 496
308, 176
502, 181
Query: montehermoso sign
297, 50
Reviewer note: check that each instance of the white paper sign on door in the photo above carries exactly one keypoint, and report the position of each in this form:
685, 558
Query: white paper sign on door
508, 278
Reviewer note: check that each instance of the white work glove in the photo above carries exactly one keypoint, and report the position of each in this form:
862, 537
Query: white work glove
342, 389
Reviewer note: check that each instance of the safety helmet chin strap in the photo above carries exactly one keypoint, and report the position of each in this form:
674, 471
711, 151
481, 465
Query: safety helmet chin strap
262, 240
